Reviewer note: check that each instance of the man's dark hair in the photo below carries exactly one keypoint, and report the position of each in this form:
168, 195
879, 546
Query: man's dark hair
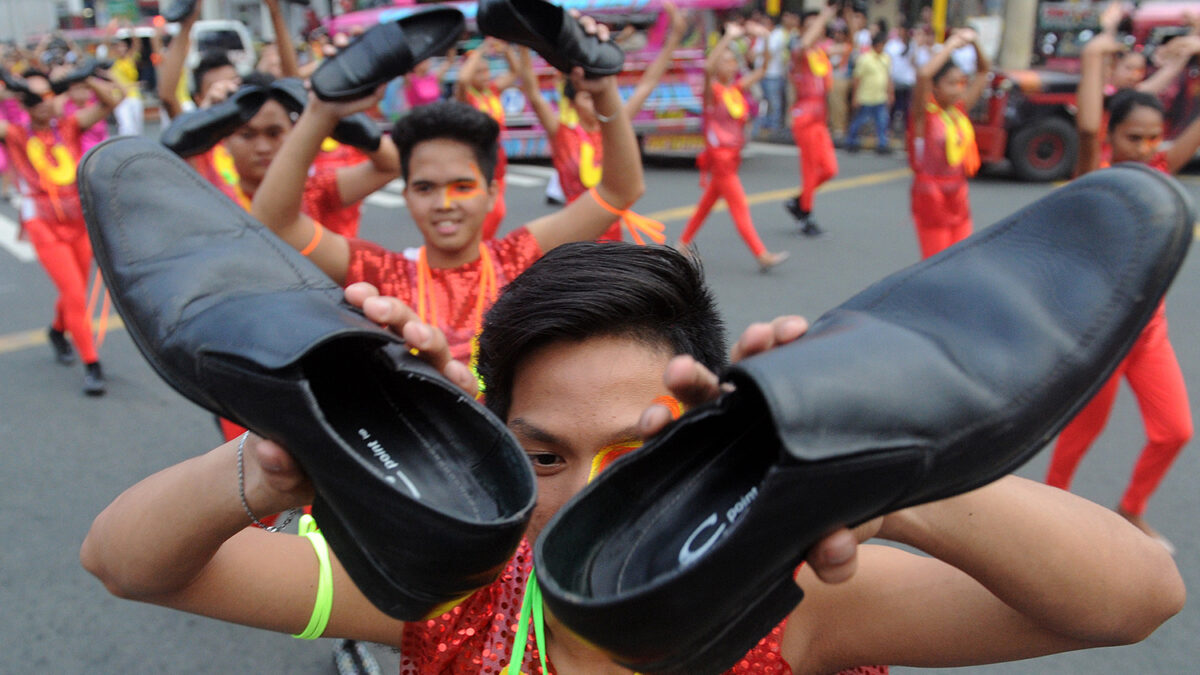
210, 60
653, 294
1125, 101
450, 120
947, 67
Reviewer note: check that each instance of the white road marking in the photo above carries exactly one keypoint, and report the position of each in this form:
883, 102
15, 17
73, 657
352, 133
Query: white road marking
21, 250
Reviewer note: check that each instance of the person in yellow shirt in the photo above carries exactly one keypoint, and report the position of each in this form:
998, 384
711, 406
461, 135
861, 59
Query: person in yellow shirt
872, 94
130, 113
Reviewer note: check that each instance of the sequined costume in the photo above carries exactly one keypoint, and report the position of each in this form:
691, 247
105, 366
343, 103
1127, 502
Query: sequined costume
477, 635
45, 159
455, 290
941, 163
812, 79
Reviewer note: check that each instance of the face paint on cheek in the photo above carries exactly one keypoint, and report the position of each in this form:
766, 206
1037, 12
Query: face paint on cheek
459, 191
611, 453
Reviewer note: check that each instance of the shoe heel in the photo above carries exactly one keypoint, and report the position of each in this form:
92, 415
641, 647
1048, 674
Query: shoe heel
718, 652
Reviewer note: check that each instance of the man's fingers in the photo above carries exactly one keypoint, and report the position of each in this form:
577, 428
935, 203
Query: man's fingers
690, 382
834, 559
759, 337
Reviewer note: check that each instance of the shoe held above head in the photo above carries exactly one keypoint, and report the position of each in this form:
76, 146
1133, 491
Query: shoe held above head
357, 130
547, 29
198, 131
934, 381
421, 492
386, 51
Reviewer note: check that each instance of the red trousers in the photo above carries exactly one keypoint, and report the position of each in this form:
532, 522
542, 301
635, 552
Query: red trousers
1154, 375
491, 222
940, 211
66, 255
818, 162
721, 165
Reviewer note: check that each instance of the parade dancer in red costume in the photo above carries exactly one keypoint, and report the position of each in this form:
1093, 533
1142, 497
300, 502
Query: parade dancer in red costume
582, 355
45, 154
812, 79
1135, 130
941, 145
576, 145
476, 87
448, 157
725, 117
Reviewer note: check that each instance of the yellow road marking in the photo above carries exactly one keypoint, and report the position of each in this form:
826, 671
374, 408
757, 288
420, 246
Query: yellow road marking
681, 212
31, 338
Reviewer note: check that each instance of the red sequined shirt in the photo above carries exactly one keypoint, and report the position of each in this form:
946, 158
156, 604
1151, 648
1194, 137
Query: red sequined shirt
323, 203
46, 159
455, 290
477, 635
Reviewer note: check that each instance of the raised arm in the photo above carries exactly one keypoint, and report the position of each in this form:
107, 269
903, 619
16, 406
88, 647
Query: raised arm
980, 81
923, 88
171, 69
816, 30
621, 182
357, 181
1089, 99
509, 77
731, 33
1035, 569
288, 63
658, 67
1184, 147
473, 60
1175, 57
528, 82
108, 96
277, 202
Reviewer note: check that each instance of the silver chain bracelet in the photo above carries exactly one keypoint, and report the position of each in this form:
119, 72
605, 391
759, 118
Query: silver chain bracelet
241, 451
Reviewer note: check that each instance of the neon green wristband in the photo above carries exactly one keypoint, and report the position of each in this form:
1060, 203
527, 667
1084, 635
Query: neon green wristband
323, 606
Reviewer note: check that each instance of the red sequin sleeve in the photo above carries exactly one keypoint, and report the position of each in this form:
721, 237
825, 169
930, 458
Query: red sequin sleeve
389, 271
323, 203
514, 253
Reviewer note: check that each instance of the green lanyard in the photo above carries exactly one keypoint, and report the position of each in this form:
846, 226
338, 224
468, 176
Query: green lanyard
531, 610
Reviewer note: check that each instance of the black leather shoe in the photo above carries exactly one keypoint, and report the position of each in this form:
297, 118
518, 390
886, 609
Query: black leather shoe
83, 71
939, 379
421, 492
15, 84
386, 51
197, 131
548, 30
178, 10
357, 130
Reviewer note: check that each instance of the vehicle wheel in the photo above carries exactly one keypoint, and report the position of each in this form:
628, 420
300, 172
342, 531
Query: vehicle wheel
1045, 150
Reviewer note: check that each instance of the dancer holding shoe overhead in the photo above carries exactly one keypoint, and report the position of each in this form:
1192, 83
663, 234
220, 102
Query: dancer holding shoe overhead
573, 354
725, 117
476, 86
1135, 130
941, 145
812, 79
576, 144
45, 152
448, 157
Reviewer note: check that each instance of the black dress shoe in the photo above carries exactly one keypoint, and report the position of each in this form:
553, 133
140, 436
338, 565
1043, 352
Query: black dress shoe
421, 492
548, 30
357, 130
939, 379
83, 71
15, 84
197, 131
386, 51
178, 10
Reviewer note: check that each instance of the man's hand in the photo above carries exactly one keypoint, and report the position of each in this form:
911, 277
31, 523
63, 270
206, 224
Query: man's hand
833, 558
429, 341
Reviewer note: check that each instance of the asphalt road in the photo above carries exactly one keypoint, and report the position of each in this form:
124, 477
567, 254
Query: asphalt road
63, 457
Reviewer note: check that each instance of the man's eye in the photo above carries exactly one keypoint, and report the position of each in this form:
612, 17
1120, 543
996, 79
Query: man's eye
543, 458
463, 188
